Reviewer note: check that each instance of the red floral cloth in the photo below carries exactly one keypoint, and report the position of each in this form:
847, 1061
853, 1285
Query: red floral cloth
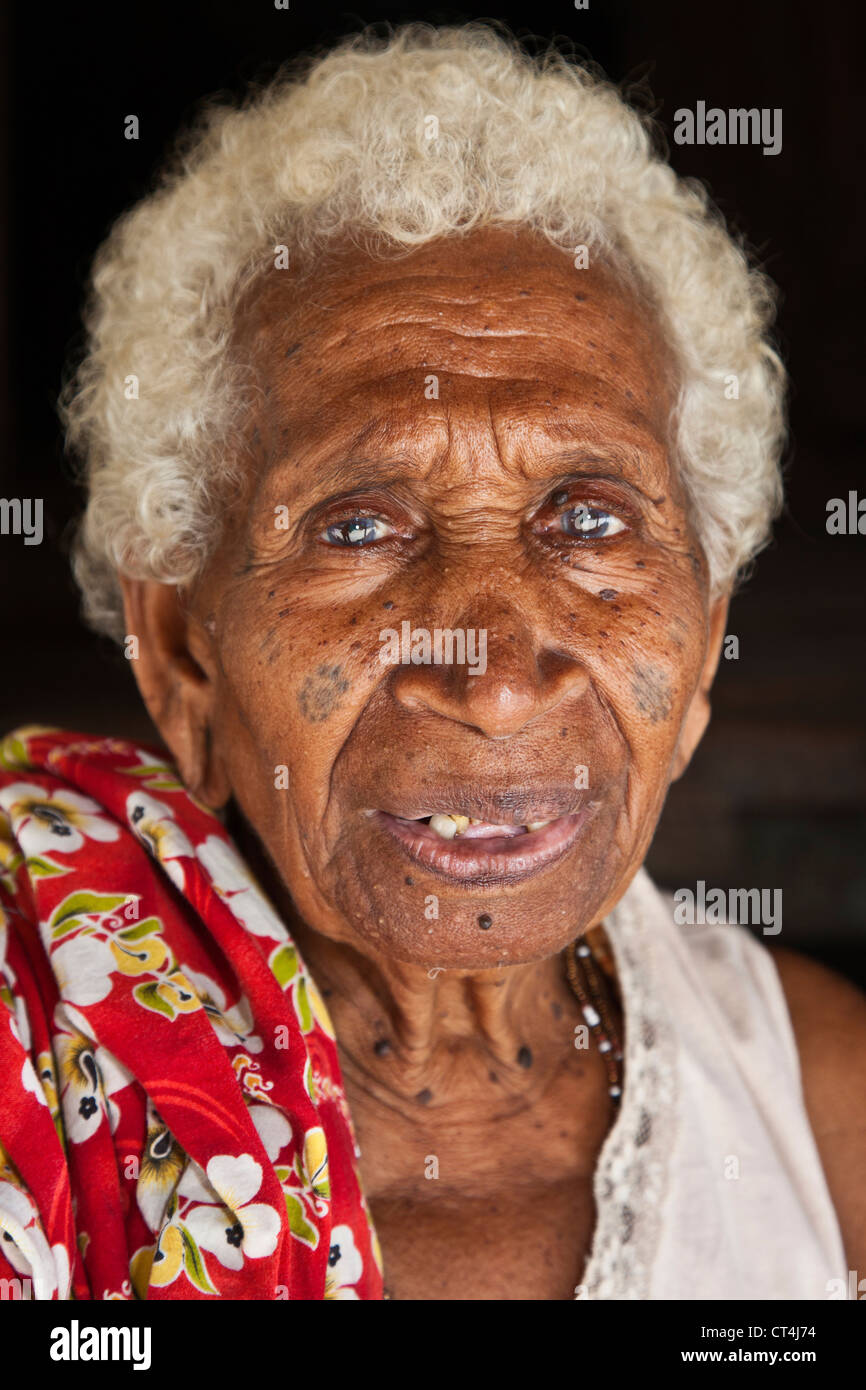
172, 1117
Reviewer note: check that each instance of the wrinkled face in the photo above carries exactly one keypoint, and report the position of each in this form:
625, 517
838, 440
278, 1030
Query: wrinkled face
469, 441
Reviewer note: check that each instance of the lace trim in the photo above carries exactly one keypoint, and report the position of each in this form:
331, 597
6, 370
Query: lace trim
631, 1176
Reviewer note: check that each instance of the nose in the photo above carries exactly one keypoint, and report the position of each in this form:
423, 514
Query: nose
509, 680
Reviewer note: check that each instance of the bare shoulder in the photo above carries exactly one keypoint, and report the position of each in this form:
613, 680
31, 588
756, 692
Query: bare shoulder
828, 1015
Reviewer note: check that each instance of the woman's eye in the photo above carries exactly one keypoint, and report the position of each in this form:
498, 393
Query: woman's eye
584, 520
357, 531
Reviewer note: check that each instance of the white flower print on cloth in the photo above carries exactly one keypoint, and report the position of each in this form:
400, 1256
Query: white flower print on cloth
27, 1250
29, 1080
345, 1265
9, 994
131, 954
273, 1127
59, 820
236, 886
88, 1077
82, 967
155, 825
162, 1162
41, 1081
240, 1227
232, 1026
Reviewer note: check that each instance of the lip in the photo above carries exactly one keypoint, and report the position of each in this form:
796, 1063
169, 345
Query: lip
500, 858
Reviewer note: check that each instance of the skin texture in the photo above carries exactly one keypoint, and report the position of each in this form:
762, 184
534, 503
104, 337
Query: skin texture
554, 390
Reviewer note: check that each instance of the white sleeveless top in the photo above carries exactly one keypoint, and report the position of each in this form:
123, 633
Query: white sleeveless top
709, 1185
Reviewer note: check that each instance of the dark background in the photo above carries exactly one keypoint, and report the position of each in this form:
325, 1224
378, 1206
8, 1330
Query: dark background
775, 796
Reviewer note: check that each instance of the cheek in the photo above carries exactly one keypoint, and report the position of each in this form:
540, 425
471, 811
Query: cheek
291, 685
645, 647
652, 691
663, 666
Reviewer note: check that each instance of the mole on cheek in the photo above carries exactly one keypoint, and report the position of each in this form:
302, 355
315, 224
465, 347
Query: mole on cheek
651, 689
319, 696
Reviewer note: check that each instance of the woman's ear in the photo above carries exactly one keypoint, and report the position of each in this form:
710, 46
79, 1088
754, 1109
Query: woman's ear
698, 713
177, 686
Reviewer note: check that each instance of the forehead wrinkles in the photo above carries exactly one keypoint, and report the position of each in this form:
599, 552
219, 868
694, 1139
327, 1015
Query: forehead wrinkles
460, 289
385, 404
512, 423
515, 351
506, 341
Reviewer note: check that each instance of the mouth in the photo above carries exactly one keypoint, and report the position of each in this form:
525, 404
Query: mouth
464, 849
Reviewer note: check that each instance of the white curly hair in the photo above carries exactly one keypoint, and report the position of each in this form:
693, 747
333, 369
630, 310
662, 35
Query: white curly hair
339, 147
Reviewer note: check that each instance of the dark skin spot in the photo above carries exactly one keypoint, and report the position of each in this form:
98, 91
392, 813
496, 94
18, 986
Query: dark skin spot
485, 921
608, 594
524, 1057
290, 352
652, 692
424, 1097
382, 1047
388, 603
320, 694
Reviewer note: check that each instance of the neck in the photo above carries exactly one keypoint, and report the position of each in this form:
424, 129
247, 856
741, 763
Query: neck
412, 1033
437, 1037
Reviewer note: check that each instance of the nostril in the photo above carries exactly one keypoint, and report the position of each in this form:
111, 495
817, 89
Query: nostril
518, 685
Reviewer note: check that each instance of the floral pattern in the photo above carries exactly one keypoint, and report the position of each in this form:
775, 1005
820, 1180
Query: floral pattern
172, 1119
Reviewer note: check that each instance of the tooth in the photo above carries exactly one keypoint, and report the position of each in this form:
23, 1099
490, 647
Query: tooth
443, 825
536, 824
462, 822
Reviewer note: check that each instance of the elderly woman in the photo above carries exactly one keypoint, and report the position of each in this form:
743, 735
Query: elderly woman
428, 421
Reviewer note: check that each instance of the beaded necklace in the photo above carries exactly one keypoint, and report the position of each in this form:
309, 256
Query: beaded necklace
591, 973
